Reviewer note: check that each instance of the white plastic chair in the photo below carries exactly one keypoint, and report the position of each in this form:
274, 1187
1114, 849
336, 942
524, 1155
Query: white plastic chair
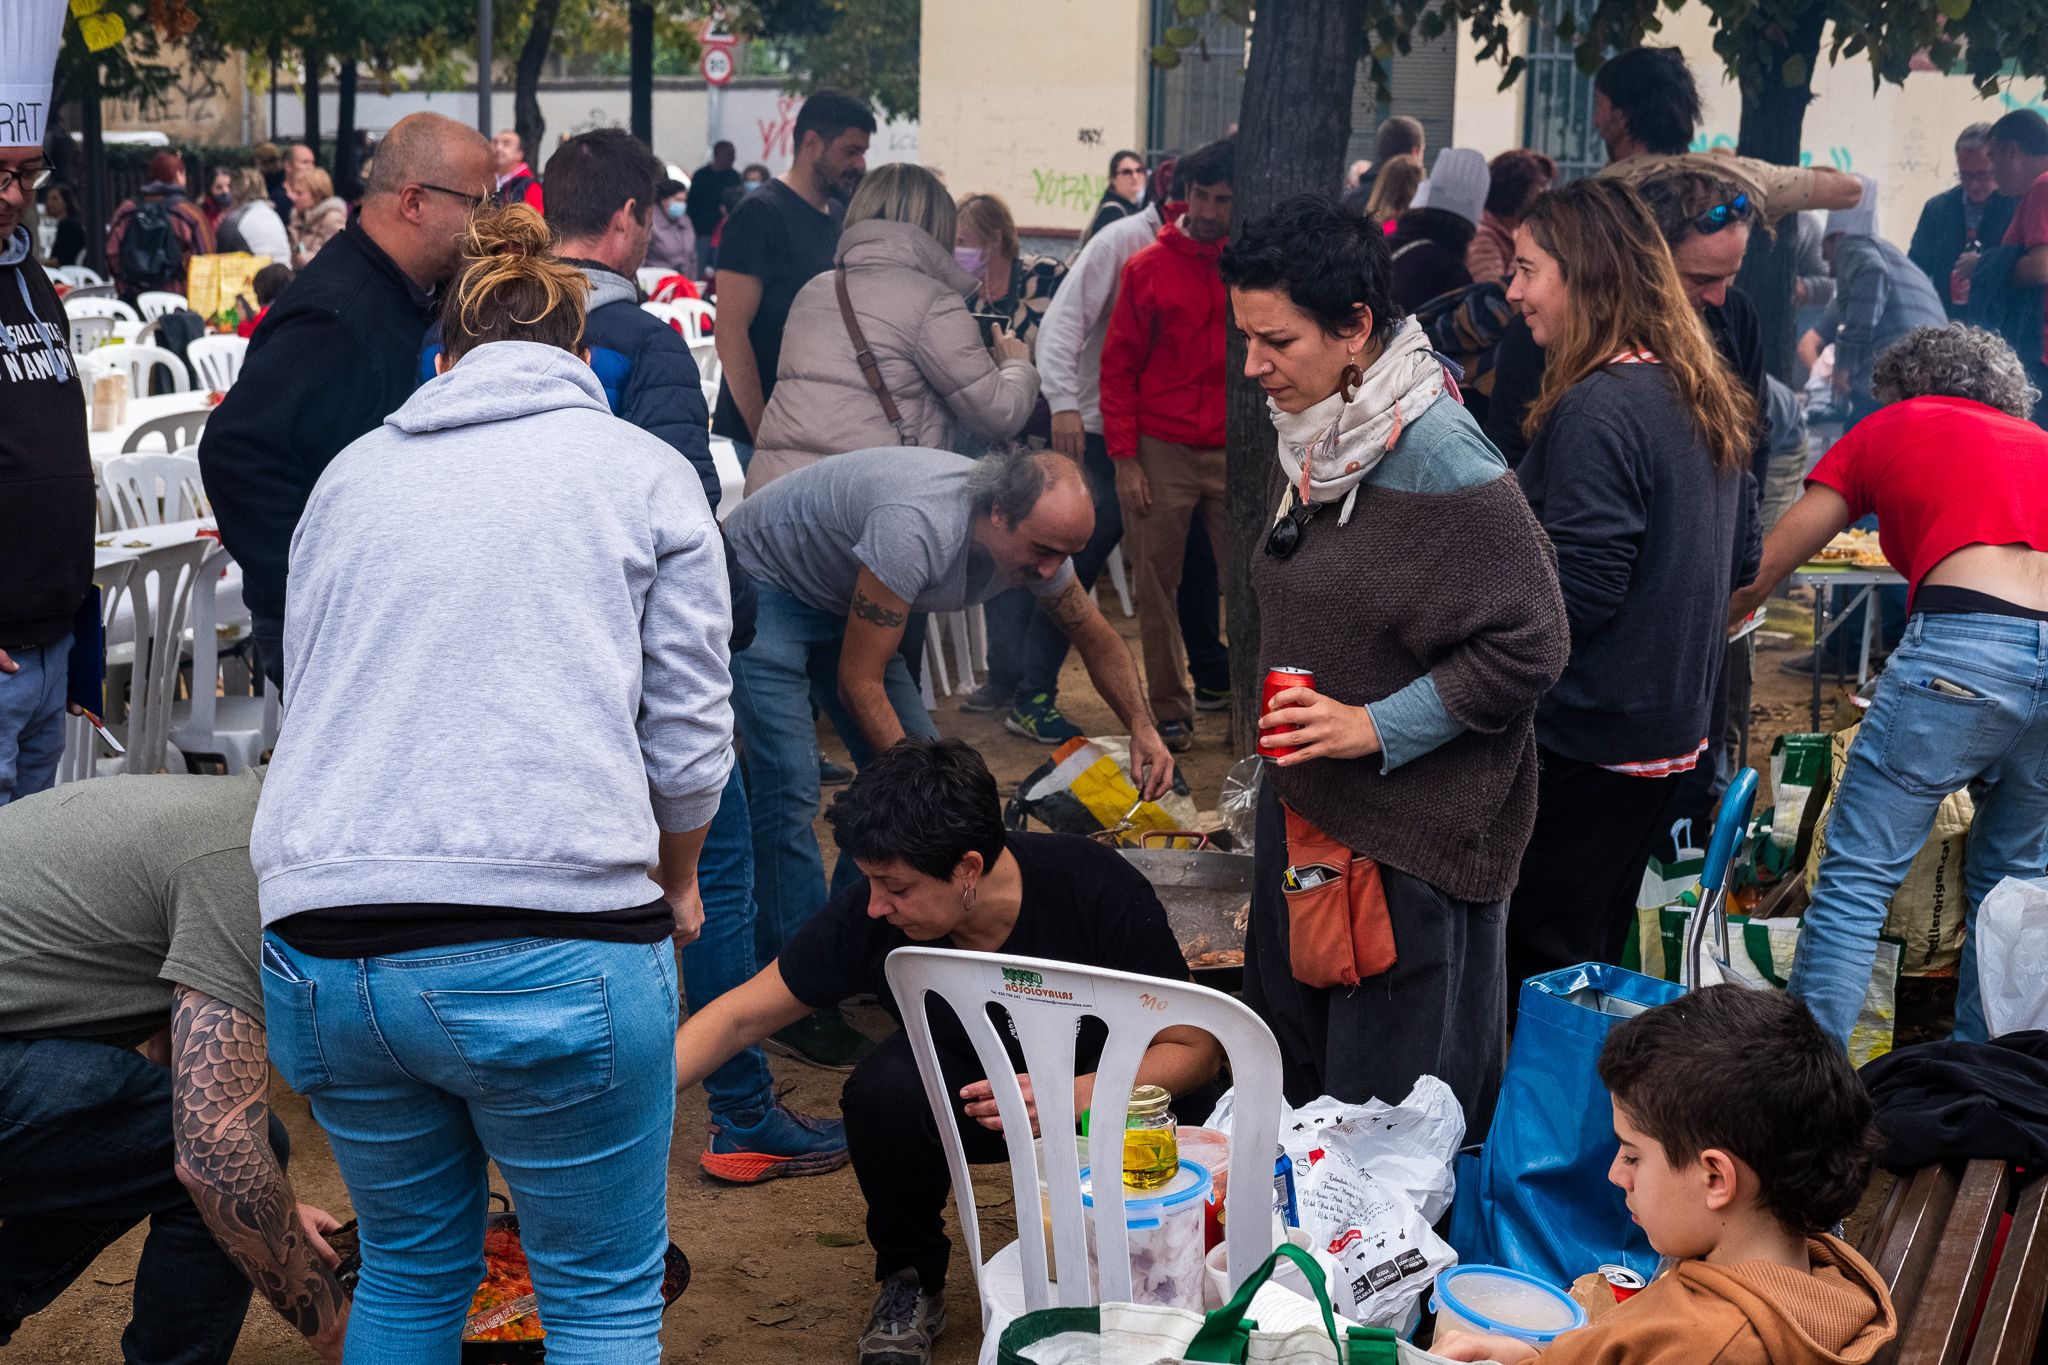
236, 729
149, 490
155, 303
78, 276
648, 276
138, 360
217, 360
81, 741
100, 308
160, 593
1119, 578
173, 431
693, 317
732, 480
1046, 1001
90, 333
709, 369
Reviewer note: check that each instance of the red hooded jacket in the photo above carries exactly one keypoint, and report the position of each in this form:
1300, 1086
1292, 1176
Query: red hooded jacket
1163, 358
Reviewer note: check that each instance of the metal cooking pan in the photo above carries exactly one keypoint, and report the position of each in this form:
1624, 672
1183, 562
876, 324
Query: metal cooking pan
1203, 890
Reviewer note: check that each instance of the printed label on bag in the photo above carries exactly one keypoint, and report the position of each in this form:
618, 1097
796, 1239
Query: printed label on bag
1021, 983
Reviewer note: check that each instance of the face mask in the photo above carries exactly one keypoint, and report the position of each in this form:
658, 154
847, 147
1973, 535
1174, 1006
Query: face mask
753, 185
224, 198
676, 211
971, 258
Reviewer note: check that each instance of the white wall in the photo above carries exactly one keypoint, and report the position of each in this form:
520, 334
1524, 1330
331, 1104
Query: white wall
756, 116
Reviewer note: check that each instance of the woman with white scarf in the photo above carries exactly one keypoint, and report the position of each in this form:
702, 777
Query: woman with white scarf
1405, 571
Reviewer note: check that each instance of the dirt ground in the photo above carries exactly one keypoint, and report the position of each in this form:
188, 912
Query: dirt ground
782, 1273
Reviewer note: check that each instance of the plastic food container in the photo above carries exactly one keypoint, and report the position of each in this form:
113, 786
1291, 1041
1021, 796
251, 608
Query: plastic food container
1210, 1148
1285, 1274
1491, 1298
1165, 1231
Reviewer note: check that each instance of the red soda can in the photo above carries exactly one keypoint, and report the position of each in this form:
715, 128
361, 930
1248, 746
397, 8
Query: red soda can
1625, 1283
1278, 680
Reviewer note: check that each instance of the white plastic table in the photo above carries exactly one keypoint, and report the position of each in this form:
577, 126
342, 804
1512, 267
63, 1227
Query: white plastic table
1824, 580
106, 444
231, 616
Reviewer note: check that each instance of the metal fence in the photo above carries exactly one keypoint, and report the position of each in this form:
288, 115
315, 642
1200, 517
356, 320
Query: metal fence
1558, 104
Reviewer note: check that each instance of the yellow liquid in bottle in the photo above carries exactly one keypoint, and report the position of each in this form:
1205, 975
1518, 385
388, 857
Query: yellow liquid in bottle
1151, 1158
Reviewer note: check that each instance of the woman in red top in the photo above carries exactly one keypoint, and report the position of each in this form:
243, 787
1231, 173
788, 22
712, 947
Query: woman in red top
1959, 480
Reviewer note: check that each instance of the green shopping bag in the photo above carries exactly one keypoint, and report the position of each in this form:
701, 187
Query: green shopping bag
1142, 1334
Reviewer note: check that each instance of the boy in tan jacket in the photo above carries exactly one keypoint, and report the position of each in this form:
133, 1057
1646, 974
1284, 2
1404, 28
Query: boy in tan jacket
1743, 1135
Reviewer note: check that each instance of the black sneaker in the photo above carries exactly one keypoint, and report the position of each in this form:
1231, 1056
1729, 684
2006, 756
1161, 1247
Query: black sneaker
905, 1323
1178, 735
987, 697
823, 1039
832, 774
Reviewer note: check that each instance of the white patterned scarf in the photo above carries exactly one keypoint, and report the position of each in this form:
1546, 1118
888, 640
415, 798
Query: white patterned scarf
1330, 448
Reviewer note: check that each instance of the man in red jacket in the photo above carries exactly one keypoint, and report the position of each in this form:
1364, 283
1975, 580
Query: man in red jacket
1162, 416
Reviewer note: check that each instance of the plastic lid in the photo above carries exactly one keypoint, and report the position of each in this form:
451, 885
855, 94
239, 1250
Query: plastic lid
1189, 1185
1486, 1296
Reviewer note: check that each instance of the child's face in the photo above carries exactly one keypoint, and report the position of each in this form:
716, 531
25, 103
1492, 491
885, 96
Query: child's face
1681, 1208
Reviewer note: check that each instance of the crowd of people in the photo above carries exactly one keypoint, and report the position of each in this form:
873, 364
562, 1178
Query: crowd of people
1524, 431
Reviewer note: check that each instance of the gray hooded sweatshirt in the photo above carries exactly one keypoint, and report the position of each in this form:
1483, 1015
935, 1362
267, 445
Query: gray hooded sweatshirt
505, 653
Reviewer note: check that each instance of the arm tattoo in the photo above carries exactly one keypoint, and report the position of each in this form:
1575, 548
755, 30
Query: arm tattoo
1070, 608
220, 1116
874, 613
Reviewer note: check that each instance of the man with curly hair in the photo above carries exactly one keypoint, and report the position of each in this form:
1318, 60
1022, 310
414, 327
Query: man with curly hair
1958, 478
1743, 1136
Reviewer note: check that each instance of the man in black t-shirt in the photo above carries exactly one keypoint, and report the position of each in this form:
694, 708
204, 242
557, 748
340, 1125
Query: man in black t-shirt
924, 826
707, 192
774, 242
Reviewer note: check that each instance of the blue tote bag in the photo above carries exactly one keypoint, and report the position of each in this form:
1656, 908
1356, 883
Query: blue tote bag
1536, 1198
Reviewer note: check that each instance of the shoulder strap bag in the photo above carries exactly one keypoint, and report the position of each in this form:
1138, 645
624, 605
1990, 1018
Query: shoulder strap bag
865, 358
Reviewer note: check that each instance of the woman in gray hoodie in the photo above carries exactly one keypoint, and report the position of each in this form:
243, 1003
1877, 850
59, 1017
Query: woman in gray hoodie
508, 725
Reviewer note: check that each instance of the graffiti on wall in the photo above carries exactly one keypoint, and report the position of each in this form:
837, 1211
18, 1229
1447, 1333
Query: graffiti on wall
1077, 190
1841, 158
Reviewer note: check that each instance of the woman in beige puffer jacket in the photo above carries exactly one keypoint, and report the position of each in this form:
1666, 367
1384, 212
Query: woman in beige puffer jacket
909, 296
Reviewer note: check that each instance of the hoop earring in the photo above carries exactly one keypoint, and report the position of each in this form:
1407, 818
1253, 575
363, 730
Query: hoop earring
1348, 385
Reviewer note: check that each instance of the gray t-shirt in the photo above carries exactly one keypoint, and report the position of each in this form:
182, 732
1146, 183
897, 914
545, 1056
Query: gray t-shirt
900, 512
117, 891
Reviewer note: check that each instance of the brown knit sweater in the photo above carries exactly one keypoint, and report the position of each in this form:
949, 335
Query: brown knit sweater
1460, 585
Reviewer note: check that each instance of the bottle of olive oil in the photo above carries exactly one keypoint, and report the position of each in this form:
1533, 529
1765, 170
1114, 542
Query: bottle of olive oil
1151, 1144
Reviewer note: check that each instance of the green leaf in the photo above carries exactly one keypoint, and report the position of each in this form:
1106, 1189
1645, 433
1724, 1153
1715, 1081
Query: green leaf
1236, 11
1191, 9
1182, 35
1165, 57
1953, 10
840, 1239
1794, 73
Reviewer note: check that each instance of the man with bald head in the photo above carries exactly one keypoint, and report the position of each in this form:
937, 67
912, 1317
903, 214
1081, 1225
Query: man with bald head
338, 353
841, 553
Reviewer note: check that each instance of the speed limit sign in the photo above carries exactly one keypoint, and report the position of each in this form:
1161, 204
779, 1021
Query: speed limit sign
716, 65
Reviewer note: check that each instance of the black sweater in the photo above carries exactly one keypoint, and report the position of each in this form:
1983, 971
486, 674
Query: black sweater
1650, 541
46, 484
330, 361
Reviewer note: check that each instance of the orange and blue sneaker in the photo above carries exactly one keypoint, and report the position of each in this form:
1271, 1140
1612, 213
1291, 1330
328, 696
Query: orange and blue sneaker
783, 1143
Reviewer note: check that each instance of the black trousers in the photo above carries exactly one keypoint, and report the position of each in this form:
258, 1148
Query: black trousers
1595, 831
1440, 1010
893, 1140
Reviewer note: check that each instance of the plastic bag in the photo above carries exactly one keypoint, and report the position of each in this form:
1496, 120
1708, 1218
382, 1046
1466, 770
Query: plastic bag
1409, 1145
1239, 803
1387, 1256
2012, 956
1086, 788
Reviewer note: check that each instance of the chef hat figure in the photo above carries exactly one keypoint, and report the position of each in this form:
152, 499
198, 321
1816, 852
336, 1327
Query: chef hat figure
31, 32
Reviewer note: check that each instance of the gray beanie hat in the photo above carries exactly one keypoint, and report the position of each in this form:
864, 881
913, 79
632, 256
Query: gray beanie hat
1860, 221
1457, 184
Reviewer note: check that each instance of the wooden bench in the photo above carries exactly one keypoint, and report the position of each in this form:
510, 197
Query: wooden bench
1933, 1245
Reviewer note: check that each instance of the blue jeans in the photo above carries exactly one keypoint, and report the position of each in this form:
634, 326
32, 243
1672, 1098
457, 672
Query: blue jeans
1025, 648
553, 1058
85, 1154
32, 719
722, 957
1917, 745
793, 665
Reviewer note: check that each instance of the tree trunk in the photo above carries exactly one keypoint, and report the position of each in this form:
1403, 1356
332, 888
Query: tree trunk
92, 131
1293, 127
641, 17
533, 56
1773, 121
309, 87
345, 182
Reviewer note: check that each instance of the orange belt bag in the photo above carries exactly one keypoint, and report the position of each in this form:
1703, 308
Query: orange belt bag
1339, 931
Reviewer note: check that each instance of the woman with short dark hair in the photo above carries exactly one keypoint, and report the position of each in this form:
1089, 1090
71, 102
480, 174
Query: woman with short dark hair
1405, 571
923, 823
1958, 478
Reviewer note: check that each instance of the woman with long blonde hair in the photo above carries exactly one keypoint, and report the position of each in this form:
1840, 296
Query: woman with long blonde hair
466, 955
1639, 471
